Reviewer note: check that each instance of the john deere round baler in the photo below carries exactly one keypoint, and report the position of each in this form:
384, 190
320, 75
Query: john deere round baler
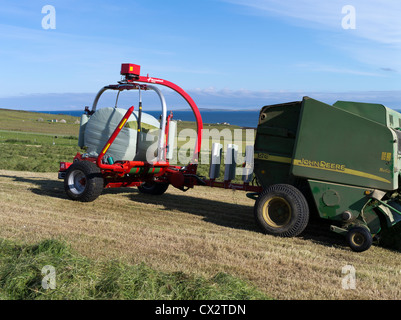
345, 158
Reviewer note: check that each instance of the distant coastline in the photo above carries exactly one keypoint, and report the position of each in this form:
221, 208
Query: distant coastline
247, 119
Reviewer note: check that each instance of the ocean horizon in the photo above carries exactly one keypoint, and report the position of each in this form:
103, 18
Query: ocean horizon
238, 118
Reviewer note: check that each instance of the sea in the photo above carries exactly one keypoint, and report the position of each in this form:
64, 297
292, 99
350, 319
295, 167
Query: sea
239, 118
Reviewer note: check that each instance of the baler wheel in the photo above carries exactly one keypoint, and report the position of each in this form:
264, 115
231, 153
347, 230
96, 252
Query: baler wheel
359, 239
155, 189
282, 210
83, 181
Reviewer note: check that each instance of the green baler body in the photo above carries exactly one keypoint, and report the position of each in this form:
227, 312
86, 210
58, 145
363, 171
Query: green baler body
343, 151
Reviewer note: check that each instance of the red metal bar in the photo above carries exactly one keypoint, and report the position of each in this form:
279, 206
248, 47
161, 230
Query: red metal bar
111, 140
126, 166
123, 184
235, 186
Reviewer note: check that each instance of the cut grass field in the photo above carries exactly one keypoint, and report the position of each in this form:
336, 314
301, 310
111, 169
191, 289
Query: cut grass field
23, 267
201, 234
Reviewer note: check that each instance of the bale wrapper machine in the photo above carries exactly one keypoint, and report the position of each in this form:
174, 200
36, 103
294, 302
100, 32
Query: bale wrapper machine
119, 145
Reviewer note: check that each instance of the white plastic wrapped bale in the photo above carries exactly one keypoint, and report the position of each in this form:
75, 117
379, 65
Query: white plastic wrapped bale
104, 121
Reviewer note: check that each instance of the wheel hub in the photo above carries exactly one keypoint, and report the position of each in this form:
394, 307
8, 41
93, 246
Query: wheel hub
77, 182
277, 212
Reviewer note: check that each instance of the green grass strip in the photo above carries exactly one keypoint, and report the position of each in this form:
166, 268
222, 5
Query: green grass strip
78, 277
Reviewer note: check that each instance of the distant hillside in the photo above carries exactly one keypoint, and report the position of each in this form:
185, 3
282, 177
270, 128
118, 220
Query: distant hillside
26, 121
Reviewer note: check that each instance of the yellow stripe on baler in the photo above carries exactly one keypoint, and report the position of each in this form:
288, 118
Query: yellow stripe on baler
269, 157
296, 162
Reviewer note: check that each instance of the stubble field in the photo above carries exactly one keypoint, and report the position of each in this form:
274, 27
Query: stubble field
200, 232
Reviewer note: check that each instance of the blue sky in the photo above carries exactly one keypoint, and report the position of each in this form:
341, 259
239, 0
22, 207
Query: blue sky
225, 53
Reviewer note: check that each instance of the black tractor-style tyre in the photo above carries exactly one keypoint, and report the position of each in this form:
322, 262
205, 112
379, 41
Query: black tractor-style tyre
359, 239
83, 181
155, 189
282, 210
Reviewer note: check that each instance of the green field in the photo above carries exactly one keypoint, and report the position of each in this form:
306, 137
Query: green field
36, 152
31, 142
25, 121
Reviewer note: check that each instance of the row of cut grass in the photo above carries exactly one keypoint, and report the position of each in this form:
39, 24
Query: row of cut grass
76, 277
